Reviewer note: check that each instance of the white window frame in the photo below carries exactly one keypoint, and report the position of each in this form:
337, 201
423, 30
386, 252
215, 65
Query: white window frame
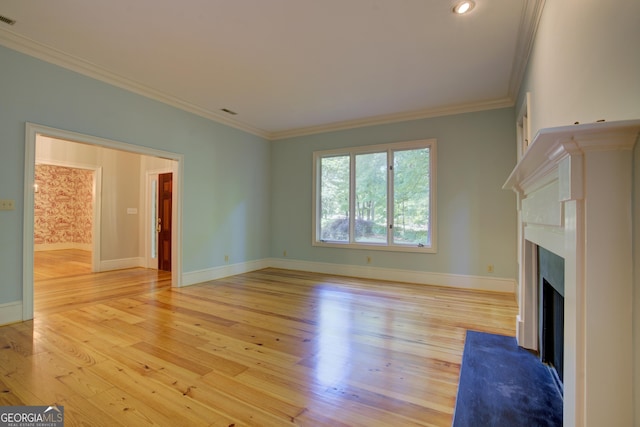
352, 152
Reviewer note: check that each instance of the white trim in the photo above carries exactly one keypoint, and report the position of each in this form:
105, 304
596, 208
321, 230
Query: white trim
201, 276
150, 262
395, 118
31, 135
11, 313
31, 132
120, 264
493, 284
531, 13
523, 126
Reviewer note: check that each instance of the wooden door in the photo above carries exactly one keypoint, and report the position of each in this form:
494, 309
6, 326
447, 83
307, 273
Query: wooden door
165, 195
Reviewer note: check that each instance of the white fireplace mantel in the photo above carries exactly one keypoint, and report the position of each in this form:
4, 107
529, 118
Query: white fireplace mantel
574, 188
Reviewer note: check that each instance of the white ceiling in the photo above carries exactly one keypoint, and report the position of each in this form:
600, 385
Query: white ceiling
289, 67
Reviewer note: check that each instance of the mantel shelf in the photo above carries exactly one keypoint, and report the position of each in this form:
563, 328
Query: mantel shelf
550, 145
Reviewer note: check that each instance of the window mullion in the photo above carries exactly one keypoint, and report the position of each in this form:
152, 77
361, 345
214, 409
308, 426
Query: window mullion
352, 197
390, 215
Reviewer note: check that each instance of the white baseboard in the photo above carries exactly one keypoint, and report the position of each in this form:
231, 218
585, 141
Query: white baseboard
494, 284
61, 246
215, 273
119, 264
10, 313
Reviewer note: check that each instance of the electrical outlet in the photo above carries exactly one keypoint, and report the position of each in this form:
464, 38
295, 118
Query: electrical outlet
490, 268
7, 205
284, 253
368, 260
226, 258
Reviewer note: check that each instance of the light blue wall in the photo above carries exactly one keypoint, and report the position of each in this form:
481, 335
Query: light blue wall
226, 190
249, 198
476, 218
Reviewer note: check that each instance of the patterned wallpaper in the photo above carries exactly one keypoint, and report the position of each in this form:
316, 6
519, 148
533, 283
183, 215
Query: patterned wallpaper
63, 205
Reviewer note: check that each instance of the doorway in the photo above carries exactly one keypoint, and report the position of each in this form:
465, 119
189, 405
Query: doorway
130, 215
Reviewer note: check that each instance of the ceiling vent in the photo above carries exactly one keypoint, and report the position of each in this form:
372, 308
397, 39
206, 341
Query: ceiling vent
6, 20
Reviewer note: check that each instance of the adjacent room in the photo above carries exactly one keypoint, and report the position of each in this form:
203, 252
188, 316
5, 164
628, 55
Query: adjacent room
362, 213
80, 189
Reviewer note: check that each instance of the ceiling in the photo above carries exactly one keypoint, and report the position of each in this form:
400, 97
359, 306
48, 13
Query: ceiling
289, 67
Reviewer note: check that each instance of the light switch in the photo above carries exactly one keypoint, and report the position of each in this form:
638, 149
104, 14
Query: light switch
132, 211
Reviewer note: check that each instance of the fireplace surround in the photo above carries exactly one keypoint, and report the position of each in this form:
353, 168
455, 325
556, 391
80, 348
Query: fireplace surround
574, 199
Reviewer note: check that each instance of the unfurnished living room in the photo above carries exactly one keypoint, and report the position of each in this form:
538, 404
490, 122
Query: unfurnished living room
336, 213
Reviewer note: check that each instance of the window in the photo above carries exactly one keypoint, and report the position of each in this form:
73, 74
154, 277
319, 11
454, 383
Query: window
376, 197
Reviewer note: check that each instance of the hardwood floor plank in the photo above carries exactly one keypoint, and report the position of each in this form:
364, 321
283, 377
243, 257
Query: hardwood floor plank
282, 405
131, 410
267, 348
80, 411
7, 397
170, 400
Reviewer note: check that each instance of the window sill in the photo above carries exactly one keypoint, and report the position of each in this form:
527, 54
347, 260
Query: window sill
376, 247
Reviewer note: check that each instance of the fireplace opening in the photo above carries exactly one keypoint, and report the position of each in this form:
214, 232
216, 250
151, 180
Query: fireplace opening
552, 351
551, 310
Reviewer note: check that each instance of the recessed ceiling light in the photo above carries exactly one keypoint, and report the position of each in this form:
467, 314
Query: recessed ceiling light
464, 7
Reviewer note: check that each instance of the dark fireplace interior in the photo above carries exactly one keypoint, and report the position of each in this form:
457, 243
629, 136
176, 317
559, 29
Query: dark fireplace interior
552, 351
551, 310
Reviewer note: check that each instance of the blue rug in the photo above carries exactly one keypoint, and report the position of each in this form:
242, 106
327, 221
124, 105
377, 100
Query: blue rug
504, 385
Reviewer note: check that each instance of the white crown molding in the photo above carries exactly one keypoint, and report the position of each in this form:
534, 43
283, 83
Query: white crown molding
529, 20
52, 55
395, 118
49, 54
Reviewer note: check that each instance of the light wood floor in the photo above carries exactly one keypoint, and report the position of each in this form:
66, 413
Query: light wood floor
267, 348
63, 281
60, 263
